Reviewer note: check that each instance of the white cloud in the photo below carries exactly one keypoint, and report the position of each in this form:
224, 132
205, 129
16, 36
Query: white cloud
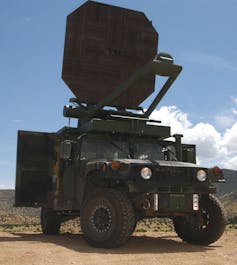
225, 121
208, 140
172, 116
230, 162
230, 138
210, 60
234, 111
212, 146
17, 121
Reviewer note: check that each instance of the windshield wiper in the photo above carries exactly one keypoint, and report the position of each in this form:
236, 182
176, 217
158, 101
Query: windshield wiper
119, 148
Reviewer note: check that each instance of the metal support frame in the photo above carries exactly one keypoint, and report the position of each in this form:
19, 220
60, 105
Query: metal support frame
155, 67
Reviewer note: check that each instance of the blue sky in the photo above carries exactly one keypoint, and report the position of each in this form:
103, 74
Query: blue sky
201, 36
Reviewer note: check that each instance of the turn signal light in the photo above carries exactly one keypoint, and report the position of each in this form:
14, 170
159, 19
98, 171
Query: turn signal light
218, 174
217, 170
115, 165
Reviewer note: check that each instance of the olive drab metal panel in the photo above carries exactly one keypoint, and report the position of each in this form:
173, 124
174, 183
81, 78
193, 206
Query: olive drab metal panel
35, 155
104, 45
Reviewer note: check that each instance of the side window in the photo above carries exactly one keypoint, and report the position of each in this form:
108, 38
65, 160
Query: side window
88, 150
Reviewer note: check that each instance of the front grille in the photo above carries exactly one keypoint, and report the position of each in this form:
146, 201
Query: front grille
168, 179
174, 176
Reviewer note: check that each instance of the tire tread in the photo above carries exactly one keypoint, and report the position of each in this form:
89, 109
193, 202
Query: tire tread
212, 234
127, 214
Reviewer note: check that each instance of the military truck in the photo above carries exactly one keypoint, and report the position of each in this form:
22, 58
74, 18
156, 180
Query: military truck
117, 166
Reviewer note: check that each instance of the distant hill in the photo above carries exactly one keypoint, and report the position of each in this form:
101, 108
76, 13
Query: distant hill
6, 199
229, 201
16, 219
231, 183
7, 204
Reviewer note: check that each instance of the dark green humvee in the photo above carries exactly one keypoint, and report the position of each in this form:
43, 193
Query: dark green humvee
117, 166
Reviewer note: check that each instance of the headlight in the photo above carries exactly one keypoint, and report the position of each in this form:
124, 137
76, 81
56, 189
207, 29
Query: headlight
201, 175
146, 173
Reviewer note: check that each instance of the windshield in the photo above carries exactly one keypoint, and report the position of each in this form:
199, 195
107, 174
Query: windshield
118, 148
150, 151
108, 149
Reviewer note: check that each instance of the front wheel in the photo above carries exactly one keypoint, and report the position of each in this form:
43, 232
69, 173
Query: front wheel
204, 227
50, 221
107, 218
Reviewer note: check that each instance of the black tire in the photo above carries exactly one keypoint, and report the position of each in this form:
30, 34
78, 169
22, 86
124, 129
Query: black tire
212, 222
50, 222
107, 218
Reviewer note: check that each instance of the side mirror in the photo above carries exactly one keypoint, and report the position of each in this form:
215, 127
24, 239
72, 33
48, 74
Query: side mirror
65, 150
189, 154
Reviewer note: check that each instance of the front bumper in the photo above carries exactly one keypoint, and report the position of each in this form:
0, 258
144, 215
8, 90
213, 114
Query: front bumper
178, 202
167, 204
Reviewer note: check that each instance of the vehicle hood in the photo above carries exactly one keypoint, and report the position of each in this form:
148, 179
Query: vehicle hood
161, 163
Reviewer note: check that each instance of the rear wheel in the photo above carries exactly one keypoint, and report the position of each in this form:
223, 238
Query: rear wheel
107, 218
205, 227
50, 221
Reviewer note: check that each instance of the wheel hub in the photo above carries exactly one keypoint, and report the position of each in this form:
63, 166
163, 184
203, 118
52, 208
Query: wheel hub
101, 218
200, 221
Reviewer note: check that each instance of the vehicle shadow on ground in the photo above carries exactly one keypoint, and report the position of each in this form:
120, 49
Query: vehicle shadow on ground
137, 243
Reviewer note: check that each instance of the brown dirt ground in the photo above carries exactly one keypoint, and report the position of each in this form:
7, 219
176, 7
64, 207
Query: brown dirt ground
161, 248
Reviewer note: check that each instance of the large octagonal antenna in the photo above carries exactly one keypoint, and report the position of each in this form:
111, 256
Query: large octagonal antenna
104, 46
